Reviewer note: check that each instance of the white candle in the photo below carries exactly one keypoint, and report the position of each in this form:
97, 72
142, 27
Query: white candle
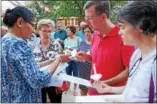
94, 69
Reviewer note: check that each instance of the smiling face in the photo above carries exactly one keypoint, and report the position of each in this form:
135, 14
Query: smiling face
129, 34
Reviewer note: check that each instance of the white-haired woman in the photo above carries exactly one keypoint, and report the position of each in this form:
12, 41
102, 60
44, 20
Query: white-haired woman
45, 53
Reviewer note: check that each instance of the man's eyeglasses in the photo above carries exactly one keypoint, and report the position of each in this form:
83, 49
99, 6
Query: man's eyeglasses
91, 17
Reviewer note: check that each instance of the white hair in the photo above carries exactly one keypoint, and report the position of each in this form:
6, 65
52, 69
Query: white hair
45, 22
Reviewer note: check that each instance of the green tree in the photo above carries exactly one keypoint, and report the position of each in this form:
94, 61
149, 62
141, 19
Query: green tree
57, 9
69, 8
115, 6
54, 9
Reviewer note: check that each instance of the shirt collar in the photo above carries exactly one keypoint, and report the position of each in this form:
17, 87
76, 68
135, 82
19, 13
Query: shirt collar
113, 32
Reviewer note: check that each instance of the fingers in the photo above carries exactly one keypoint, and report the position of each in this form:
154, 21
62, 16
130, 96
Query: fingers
101, 87
65, 58
96, 84
80, 53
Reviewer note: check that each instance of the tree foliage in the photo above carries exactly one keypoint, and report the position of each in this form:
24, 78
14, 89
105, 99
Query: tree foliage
68, 8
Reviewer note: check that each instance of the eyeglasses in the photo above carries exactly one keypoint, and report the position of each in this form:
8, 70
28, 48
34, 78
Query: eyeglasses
135, 67
45, 31
31, 23
91, 17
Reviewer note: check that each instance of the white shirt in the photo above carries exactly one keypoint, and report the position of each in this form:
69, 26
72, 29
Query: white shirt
137, 88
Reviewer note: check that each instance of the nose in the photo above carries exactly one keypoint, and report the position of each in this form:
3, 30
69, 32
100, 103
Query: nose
33, 30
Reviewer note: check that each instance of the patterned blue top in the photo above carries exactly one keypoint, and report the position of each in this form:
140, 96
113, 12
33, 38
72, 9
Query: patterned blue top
21, 79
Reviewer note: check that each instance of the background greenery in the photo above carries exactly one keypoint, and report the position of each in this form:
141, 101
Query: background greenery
54, 9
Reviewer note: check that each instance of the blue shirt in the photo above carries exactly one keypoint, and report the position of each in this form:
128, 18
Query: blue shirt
21, 79
81, 35
62, 35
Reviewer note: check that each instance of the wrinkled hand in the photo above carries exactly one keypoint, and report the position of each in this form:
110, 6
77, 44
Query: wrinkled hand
65, 58
101, 87
81, 56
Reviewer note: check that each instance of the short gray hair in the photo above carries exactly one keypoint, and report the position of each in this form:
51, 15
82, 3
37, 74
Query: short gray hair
45, 22
100, 6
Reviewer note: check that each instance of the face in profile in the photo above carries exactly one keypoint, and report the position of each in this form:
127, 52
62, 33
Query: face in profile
128, 33
26, 28
93, 19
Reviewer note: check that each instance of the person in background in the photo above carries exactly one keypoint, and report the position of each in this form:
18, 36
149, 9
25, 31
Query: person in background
53, 32
21, 79
45, 53
110, 56
72, 43
4, 30
60, 35
81, 33
85, 67
138, 28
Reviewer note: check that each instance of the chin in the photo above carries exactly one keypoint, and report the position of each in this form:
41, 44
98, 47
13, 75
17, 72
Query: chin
128, 44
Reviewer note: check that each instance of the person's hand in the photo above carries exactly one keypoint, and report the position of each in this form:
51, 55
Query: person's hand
81, 56
101, 87
65, 58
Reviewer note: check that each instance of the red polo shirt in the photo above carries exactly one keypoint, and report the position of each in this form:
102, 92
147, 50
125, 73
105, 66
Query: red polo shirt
110, 56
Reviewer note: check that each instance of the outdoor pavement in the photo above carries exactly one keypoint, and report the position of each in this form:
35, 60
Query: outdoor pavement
68, 95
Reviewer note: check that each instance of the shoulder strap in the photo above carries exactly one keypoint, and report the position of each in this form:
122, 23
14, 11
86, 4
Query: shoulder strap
151, 88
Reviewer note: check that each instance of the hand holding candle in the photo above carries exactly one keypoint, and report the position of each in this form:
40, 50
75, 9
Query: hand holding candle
95, 76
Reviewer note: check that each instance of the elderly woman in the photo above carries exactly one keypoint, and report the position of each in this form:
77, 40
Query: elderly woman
20, 75
138, 27
45, 53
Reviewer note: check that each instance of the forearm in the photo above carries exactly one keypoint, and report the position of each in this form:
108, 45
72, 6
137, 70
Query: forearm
45, 63
53, 66
117, 90
121, 77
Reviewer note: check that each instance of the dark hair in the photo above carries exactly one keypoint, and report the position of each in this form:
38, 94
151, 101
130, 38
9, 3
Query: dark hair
87, 26
100, 7
140, 13
11, 15
72, 29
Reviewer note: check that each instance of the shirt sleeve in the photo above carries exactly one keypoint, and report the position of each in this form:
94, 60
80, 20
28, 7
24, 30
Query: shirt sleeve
65, 43
127, 52
154, 78
24, 62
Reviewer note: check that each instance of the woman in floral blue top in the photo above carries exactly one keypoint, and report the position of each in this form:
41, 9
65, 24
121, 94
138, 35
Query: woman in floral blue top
21, 80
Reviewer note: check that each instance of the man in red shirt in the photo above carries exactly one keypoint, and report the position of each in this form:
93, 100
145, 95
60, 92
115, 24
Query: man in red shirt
109, 54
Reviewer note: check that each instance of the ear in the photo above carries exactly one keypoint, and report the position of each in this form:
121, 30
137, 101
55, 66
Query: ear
139, 29
20, 22
104, 16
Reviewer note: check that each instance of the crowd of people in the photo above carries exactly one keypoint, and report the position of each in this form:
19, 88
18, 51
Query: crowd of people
123, 53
